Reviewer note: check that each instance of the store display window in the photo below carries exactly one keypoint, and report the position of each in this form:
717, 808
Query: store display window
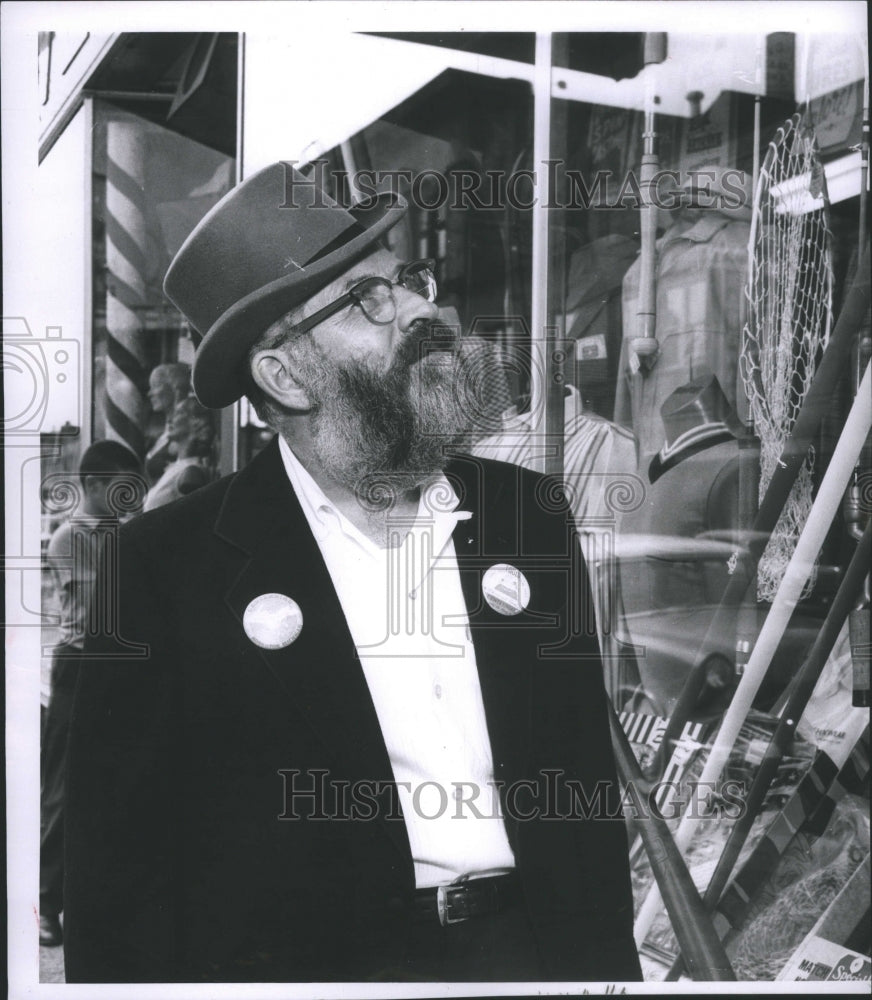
657, 336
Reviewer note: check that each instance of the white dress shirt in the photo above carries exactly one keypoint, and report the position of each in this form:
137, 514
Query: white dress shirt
408, 619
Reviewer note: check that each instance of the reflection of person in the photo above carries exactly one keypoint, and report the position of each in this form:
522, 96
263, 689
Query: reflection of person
354, 752
692, 494
168, 385
72, 557
702, 269
190, 428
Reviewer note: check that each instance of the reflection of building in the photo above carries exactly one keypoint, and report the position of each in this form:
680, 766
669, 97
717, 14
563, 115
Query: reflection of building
144, 125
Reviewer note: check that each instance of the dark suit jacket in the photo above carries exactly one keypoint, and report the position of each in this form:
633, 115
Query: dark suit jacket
178, 865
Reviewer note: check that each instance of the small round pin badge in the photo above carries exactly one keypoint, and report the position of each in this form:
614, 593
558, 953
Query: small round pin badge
272, 621
506, 589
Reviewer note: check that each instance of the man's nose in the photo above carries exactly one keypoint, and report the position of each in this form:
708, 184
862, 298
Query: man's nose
411, 307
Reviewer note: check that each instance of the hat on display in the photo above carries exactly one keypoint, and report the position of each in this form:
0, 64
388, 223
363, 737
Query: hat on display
271, 243
695, 416
724, 189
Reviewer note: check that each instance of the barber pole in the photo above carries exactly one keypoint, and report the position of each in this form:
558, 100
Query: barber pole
126, 362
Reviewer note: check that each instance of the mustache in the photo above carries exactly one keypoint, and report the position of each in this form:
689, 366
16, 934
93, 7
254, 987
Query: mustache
424, 338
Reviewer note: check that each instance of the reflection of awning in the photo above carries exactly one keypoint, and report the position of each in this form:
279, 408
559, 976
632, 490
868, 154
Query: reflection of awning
146, 69
617, 54
361, 77
519, 46
283, 71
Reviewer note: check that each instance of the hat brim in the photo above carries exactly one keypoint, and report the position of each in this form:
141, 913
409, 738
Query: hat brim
666, 459
217, 374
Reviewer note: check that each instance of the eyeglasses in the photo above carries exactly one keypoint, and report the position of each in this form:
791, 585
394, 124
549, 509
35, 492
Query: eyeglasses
375, 296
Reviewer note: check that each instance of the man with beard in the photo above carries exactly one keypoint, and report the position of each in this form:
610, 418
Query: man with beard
346, 725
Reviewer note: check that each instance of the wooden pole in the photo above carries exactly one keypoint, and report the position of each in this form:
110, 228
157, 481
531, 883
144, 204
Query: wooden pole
699, 942
816, 403
645, 346
800, 691
814, 532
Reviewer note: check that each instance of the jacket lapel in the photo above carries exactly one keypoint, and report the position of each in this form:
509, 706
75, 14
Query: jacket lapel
319, 671
502, 649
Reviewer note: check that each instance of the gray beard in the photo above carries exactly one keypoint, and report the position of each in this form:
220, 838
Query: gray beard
382, 434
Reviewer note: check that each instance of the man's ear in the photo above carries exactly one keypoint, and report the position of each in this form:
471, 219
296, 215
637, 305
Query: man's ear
273, 376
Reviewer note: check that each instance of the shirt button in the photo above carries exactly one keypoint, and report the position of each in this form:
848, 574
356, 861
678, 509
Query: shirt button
437, 690
413, 594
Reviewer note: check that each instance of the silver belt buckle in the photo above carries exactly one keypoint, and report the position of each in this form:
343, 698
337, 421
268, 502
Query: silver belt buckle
445, 917
442, 905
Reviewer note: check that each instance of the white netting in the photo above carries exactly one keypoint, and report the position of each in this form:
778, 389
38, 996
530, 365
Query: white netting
790, 283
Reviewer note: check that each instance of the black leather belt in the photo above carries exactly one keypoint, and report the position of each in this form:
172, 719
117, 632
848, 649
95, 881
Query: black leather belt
467, 898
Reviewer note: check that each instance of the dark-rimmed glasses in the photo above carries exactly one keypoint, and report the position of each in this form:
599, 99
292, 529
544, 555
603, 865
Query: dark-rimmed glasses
375, 296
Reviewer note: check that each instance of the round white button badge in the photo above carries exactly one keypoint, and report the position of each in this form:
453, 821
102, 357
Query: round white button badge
505, 589
272, 621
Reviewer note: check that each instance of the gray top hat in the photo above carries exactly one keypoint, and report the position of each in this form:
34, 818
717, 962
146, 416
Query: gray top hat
266, 247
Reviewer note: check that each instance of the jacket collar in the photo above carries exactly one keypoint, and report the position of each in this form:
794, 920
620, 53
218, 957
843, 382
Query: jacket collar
257, 495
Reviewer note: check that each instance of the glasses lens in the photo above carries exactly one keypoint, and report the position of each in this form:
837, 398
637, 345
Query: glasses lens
418, 277
376, 300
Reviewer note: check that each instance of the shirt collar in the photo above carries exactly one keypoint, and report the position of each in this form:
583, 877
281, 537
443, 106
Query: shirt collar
439, 500
314, 502
572, 410
703, 229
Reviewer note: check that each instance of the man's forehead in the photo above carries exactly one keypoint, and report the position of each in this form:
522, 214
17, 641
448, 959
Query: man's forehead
382, 263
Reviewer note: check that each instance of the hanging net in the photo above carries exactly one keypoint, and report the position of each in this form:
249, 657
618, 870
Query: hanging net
789, 291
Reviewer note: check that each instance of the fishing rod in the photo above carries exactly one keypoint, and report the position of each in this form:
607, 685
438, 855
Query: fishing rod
814, 407
697, 938
799, 692
814, 532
